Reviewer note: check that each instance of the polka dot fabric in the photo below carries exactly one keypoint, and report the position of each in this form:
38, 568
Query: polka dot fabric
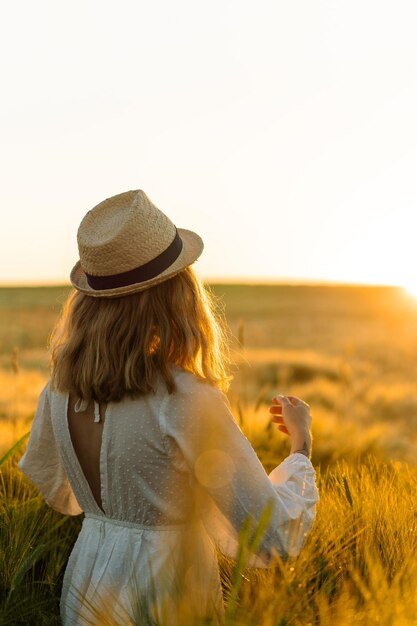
178, 480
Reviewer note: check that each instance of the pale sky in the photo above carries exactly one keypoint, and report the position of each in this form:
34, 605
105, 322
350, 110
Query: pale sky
284, 133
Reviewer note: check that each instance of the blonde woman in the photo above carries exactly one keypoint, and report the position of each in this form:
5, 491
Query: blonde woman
134, 430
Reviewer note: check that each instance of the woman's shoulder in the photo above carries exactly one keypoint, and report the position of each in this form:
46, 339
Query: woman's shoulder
190, 385
46, 391
194, 404
53, 394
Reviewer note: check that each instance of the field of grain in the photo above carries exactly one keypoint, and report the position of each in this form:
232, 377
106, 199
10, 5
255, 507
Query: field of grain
351, 353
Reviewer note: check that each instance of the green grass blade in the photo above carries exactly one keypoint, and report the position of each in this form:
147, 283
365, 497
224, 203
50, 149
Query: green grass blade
14, 448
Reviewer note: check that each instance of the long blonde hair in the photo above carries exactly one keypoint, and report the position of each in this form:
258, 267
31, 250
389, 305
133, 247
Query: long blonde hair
106, 348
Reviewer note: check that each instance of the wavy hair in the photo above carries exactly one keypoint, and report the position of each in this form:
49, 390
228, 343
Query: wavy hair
106, 348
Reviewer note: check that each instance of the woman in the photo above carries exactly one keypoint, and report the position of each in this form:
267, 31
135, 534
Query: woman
134, 430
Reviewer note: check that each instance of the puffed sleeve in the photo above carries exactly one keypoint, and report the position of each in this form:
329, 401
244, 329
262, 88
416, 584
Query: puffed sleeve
42, 462
221, 460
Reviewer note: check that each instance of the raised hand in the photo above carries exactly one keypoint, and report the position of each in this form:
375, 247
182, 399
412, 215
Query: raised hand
293, 418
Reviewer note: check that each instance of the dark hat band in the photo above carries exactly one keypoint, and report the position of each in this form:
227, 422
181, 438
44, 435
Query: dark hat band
139, 274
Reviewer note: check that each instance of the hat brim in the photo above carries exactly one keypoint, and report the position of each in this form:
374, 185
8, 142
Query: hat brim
191, 249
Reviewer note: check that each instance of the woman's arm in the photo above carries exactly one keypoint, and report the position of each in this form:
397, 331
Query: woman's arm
42, 462
225, 465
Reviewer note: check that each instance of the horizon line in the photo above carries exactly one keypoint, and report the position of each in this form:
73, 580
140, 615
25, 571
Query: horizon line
230, 280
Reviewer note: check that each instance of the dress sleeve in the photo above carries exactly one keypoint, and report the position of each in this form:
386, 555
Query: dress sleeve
223, 463
42, 463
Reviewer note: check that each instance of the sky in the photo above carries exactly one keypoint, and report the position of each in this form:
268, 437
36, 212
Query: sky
284, 133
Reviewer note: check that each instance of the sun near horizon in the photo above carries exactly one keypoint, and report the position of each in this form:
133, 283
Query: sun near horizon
290, 151
237, 280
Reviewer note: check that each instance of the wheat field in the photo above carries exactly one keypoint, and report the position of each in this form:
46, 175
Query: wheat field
351, 353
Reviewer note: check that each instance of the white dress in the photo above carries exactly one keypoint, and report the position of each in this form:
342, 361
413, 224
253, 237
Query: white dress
178, 479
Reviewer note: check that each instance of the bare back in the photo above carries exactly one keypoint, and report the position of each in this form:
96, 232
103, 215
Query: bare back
86, 436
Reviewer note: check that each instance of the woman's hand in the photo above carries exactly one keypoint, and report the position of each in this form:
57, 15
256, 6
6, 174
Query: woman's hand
293, 418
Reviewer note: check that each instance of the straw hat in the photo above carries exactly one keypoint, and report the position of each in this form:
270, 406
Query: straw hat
127, 244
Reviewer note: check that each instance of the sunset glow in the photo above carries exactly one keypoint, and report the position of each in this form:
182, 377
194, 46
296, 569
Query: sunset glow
290, 151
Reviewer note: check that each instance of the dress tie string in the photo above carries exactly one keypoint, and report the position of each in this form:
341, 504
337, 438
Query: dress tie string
81, 405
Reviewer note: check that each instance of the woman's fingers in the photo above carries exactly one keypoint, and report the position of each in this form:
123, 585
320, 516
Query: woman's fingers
281, 426
280, 400
283, 404
294, 400
276, 410
283, 429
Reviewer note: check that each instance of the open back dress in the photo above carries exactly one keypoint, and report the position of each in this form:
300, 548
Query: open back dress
164, 482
